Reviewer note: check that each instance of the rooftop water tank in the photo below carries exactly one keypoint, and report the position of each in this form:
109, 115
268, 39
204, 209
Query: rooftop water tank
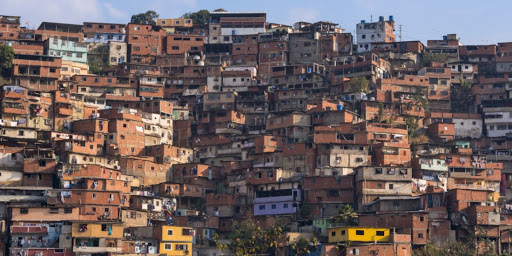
381, 18
363, 21
339, 107
391, 18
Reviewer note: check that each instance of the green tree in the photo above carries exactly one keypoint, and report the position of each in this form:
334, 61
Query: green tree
305, 211
6, 57
220, 10
458, 248
461, 96
95, 67
381, 111
346, 216
359, 84
302, 245
145, 18
412, 126
434, 57
419, 98
201, 17
248, 239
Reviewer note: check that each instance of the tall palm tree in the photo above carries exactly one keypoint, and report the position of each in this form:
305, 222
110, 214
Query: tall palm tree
346, 216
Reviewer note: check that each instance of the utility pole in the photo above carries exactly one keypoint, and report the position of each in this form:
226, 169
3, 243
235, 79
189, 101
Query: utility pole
400, 36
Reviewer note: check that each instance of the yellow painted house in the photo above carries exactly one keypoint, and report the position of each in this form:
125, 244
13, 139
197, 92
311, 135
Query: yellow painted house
358, 234
175, 240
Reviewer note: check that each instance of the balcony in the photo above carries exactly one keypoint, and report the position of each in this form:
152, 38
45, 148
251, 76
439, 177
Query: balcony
87, 249
207, 154
271, 196
228, 131
398, 191
467, 175
474, 187
16, 110
65, 111
433, 165
229, 151
260, 165
28, 229
14, 94
248, 145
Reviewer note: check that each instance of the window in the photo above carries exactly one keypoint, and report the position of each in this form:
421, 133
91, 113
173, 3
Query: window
168, 246
343, 232
360, 232
379, 233
174, 47
379, 185
68, 210
285, 206
420, 235
422, 218
390, 186
105, 227
181, 247
169, 232
42, 163
94, 196
23, 210
21, 133
261, 207
274, 206
333, 233
378, 170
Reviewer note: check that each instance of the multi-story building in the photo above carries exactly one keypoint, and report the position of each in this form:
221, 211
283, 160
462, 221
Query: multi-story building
374, 32
224, 26
36, 72
103, 33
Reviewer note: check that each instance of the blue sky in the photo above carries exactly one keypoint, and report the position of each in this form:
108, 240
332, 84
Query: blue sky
476, 22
